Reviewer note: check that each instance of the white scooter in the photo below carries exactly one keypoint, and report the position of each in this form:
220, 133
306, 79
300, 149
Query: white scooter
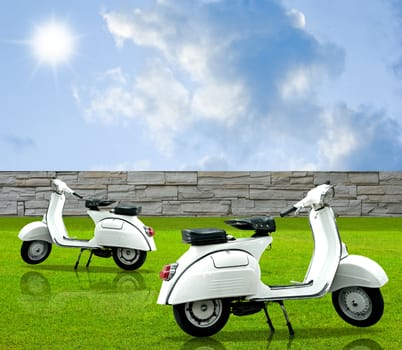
219, 274
118, 232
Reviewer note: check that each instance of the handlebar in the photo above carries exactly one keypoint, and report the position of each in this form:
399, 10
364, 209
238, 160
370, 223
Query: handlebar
77, 195
287, 211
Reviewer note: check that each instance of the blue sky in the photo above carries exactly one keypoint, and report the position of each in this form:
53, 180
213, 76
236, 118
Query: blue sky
201, 85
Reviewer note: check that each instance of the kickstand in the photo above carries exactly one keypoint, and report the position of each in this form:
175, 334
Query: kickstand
271, 326
285, 313
90, 257
78, 259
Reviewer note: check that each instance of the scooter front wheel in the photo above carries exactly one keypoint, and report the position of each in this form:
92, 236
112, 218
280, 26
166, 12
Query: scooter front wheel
34, 252
129, 259
202, 318
359, 306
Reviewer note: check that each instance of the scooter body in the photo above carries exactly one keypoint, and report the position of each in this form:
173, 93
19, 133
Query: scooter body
227, 275
118, 232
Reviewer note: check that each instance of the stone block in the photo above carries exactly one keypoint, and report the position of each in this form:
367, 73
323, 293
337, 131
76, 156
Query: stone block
273, 193
102, 177
281, 178
197, 208
302, 179
7, 179
17, 193
146, 178
335, 178
233, 178
195, 192
20, 208
150, 208
345, 191
347, 207
390, 177
364, 178
181, 178
153, 193
34, 182
8, 207
21, 175
370, 189
121, 192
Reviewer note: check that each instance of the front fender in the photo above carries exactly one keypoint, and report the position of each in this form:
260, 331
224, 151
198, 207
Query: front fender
224, 274
356, 270
36, 230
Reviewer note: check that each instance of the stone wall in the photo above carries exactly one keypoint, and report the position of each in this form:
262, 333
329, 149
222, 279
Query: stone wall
198, 193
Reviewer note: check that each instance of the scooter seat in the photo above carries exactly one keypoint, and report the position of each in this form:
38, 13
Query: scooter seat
127, 209
204, 236
260, 224
95, 203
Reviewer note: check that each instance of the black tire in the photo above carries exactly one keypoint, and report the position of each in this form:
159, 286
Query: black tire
34, 252
359, 306
129, 259
202, 318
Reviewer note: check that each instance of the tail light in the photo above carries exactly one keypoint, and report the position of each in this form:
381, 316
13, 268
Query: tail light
168, 272
149, 231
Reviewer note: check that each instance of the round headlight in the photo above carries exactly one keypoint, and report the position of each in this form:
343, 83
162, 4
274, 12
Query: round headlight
328, 195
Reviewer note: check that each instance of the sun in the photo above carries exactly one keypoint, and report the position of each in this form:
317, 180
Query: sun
53, 43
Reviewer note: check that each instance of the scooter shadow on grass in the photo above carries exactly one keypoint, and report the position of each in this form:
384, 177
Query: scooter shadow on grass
37, 286
92, 269
213, 344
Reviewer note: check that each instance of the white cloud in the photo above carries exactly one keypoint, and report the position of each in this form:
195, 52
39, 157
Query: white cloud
338, 137
297, 18
296, 85
220, 101
144, 28
234, 91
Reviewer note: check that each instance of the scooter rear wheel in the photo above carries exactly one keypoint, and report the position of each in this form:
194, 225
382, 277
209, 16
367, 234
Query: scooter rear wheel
129, 259
359, 306
34, 252
202, 318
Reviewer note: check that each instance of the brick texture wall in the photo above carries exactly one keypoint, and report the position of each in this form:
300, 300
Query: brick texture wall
198, 193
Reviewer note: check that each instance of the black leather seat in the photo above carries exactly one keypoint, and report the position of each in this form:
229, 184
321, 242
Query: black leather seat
204, 236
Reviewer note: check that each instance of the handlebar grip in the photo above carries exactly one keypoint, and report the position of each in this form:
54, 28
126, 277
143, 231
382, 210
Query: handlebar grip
77, 195
287, 211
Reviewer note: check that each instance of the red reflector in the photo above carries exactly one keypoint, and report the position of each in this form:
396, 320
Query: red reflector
150, 231
164, 274
168, 272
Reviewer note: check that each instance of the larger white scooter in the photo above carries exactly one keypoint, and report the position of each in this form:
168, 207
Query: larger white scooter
219, 275
118, 232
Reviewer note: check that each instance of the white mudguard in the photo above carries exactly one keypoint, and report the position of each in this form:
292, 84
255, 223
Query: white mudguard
125, 233
356, 270
36, 230
223, 274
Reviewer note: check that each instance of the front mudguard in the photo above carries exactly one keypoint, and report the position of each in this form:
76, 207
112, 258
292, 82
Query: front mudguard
223, 274
35, 231
356, 270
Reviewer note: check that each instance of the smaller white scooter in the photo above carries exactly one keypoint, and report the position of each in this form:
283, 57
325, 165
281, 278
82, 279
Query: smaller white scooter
118, 232
219, 274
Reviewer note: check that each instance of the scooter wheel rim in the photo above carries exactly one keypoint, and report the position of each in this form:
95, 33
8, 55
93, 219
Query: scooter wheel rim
203, 313
37, 250
355, 303
128, 256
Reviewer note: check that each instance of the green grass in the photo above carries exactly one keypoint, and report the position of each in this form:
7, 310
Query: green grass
50, 306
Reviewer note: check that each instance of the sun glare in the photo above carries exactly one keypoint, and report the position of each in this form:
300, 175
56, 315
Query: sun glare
53, 43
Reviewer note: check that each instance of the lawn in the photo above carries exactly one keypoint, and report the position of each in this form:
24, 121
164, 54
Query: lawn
50, 306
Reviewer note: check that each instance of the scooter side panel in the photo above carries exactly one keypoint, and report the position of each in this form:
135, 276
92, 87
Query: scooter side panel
33, 231
356, 270
115, 232
222, 274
